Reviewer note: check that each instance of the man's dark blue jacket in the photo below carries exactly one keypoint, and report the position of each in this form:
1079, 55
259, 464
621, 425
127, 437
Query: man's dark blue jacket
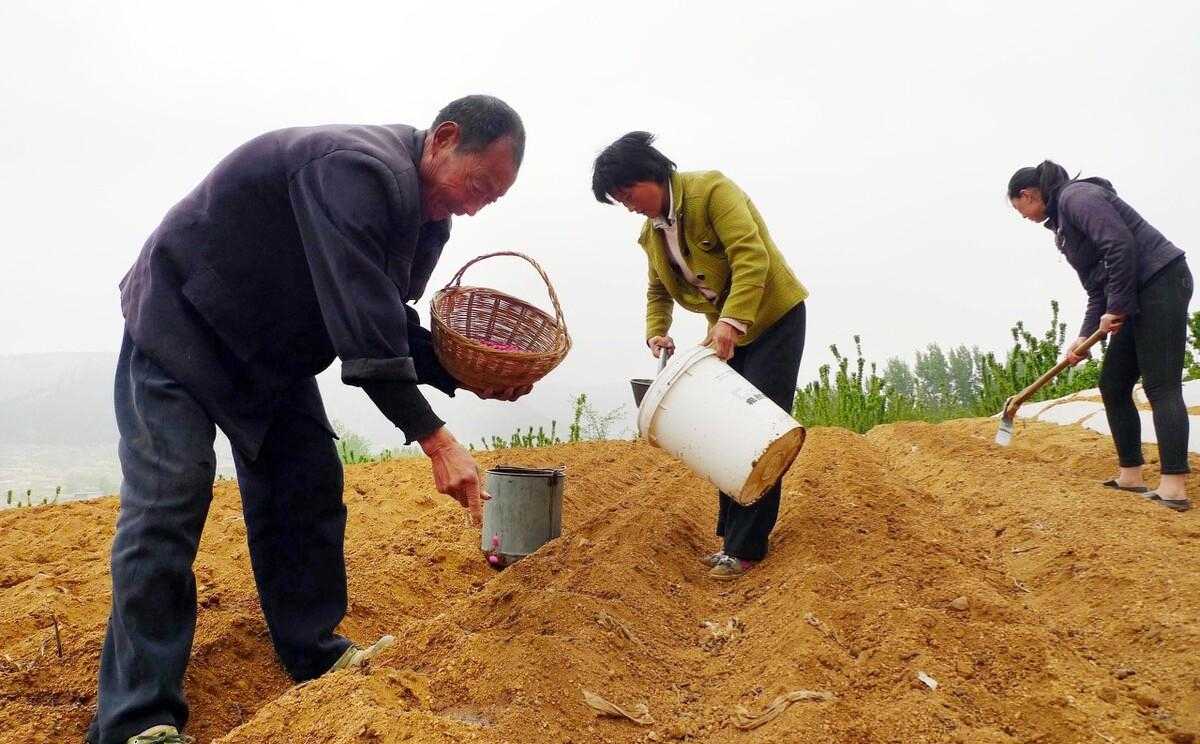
301, 245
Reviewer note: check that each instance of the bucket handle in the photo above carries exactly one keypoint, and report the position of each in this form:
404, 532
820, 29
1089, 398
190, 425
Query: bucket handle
664, 355
457, 281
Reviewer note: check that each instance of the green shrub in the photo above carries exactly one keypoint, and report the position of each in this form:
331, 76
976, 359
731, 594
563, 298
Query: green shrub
587, 425
942, 385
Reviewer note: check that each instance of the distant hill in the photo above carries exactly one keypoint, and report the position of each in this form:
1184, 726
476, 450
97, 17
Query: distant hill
57, 399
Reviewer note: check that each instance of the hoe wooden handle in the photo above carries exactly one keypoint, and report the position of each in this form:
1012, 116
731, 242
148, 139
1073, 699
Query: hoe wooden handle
1015, 402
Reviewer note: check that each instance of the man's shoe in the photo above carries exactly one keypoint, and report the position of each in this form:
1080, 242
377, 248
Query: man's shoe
356, 657
729, 568
160, 735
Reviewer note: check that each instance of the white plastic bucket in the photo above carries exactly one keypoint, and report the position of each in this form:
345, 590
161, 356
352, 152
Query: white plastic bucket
703, 412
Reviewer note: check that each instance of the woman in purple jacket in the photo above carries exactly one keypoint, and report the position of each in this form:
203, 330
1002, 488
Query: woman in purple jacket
1138, 287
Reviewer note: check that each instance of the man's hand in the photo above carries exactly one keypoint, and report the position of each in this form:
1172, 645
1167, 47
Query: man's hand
505, 394
1111, 322
455, 472
722, 337
1074, 358
658, 343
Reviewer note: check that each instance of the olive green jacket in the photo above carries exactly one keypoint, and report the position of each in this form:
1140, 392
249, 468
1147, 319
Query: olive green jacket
726, 244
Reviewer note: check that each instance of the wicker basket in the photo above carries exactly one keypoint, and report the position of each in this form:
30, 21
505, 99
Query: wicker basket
464, 317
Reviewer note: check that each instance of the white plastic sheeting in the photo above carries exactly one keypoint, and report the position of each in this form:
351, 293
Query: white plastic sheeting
1085, 409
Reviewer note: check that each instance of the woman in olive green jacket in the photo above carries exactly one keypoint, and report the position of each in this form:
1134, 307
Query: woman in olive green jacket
709, 251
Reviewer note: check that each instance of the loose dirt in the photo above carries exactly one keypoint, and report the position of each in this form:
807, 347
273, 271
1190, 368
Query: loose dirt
1044, 607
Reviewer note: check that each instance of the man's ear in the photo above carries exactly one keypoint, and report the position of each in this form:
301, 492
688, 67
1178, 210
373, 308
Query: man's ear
446, 136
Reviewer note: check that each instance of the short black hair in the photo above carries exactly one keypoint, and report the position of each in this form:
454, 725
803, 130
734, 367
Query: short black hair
629, 160
481, 121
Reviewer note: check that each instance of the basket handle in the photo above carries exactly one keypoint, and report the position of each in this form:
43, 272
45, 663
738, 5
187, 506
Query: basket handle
457, 280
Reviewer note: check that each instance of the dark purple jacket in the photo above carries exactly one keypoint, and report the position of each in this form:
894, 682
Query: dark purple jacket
301, 246
1114, 251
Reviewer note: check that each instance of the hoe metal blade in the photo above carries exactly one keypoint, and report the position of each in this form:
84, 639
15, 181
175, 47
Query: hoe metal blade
1005, 434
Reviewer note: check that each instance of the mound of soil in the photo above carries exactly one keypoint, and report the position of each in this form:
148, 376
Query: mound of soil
1043, 607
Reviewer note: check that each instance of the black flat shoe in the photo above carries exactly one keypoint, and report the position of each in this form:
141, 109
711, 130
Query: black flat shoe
1112, 483
1179, 505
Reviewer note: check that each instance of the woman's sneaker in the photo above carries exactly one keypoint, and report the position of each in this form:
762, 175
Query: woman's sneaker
729, 568
714, 559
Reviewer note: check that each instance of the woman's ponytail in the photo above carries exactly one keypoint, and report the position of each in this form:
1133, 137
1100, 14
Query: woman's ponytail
1048, 177
1051, 177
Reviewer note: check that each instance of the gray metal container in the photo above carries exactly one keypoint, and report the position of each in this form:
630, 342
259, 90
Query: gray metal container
524, 513
640, 384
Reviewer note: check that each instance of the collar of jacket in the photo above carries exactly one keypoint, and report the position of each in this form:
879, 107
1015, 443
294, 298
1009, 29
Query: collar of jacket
1052, 203
440, 227
677, 195
1051, 222
418, 147
649, 228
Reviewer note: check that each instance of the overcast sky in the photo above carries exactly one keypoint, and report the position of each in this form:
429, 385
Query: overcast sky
875, 137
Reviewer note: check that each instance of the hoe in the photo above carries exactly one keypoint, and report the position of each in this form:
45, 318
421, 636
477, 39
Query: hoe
1005, 435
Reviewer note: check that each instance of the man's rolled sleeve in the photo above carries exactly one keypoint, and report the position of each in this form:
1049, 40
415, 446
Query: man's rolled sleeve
428, 368
359, 371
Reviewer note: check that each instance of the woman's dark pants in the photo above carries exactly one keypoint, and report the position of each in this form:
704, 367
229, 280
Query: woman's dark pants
1151, 345
771, 363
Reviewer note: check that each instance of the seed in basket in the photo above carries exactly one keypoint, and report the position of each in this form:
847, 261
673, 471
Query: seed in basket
499, 345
